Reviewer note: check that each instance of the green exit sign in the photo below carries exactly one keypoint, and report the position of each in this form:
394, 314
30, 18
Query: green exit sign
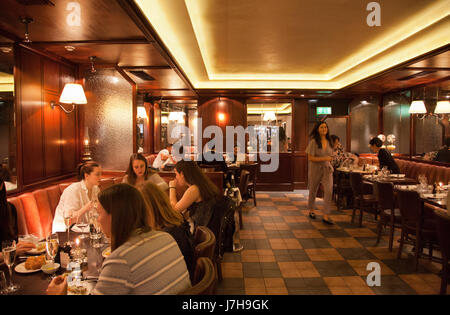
323, 110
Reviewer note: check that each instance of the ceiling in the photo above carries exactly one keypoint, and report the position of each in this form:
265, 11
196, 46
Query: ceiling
294, 44
282, 49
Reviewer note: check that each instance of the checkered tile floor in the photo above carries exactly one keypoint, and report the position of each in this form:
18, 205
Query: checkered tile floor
286, 252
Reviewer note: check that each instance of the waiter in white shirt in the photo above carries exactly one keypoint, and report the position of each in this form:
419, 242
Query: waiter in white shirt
164, 157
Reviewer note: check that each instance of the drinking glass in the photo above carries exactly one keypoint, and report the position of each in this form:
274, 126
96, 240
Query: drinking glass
51, 247
68, 215
3, 285
9, 256
95, 232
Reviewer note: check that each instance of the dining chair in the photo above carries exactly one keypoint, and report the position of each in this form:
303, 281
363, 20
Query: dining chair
418, 226
204, 278
443, 234
389, 214
250, 193
363, 199
243, 185
205, 242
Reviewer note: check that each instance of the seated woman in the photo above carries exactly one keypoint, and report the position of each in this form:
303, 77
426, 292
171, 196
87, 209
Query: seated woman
200, 196
340, 157
142, 260
138, 173
162, 217
8, 224
79, 196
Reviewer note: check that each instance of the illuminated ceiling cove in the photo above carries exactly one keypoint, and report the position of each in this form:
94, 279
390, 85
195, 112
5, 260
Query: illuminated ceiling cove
294, 44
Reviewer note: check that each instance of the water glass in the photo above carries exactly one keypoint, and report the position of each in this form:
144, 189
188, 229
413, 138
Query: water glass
68, 215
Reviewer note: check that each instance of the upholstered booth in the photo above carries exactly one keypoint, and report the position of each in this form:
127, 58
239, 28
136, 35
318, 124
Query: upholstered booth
35, 210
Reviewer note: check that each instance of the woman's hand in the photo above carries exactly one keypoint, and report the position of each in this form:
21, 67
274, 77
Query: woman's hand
173, 184
23, 247
58, 286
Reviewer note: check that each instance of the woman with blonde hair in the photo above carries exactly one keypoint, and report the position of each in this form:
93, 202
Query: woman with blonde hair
162, 217
138, 173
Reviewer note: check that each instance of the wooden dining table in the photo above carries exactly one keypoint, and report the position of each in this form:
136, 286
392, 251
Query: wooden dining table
36, 283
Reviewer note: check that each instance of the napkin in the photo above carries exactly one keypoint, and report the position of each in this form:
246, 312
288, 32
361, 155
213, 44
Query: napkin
81, 228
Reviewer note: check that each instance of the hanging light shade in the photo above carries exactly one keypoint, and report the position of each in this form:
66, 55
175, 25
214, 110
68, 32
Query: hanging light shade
417, 107
442, 107
177, 116
268, 116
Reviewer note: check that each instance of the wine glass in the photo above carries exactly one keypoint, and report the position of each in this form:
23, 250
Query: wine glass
9, 256
68, 215
51, 247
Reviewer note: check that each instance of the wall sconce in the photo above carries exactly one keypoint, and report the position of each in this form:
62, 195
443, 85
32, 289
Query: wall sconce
141, 113
221, 117
269, 116
72, 93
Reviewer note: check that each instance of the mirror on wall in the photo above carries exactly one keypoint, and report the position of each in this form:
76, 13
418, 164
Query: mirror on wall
7, 118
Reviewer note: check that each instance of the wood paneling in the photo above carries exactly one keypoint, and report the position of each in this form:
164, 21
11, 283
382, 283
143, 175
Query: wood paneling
281, 179
52, 136
31, 109
47, 137
300, 140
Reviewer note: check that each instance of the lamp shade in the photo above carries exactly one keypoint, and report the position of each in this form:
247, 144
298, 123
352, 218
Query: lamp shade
141, 113
417, 107
73, 94
269, 116
442, 107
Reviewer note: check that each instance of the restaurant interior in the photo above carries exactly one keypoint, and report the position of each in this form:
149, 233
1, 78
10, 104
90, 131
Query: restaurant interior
148, 66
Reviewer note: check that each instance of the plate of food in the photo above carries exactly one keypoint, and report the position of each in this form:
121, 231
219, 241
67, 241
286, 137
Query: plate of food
77, 287
32, 264
39, 249
106, 252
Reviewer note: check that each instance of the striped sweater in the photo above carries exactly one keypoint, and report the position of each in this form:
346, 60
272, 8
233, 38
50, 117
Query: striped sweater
149, 263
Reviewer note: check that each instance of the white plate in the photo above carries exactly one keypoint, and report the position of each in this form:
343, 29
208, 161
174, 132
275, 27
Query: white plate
20, 268
35, 251
106, 252
436, 196
397, 175
81, 228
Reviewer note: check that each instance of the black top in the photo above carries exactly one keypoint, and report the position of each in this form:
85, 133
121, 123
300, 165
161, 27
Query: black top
201, 212
185, 241
443, 155
386, 159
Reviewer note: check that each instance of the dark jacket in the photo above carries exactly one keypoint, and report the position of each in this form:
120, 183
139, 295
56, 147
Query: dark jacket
386, 159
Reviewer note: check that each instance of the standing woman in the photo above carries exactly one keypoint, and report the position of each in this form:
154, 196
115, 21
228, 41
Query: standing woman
200, 196
320, 152
79, 196
138, 173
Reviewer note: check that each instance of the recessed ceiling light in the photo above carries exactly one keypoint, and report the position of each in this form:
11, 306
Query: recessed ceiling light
69, 48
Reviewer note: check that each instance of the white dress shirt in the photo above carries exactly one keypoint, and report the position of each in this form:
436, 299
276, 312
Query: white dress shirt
158, 162
73, 198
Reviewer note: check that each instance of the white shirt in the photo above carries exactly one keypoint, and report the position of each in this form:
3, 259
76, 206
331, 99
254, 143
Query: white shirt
158, 162
73, 198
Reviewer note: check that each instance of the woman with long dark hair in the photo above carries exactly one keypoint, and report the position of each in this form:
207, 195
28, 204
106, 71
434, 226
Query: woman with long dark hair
320, 170
142, 260
138, 173
162, 217
78, 197
8, 224
200, 196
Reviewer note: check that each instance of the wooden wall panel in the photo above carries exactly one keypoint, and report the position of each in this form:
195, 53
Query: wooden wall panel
52, 136
31, 116
300, 140
47, 138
